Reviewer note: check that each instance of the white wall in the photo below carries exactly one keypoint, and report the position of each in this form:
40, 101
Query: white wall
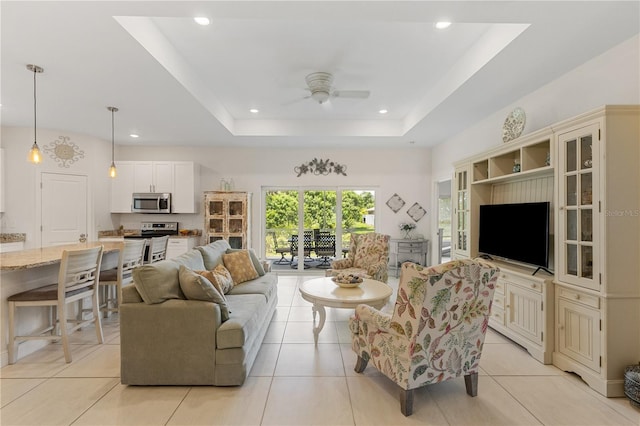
22, 179
404, 171
611, 78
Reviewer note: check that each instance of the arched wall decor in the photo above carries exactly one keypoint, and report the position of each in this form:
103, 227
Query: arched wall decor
63, 151
320, 167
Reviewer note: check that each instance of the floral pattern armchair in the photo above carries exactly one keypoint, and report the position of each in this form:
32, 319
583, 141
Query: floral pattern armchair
368, 257
437, 328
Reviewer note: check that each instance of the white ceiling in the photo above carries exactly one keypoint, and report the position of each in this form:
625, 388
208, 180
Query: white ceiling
179, 83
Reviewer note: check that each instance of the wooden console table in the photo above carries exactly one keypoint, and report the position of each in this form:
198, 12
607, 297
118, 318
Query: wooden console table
401, 249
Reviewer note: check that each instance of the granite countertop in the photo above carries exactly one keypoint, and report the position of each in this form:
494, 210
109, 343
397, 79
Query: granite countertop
12, 238
118, 233
33, 258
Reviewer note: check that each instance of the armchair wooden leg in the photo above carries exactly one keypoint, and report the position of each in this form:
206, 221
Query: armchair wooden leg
471, 383
406, 401
361, 364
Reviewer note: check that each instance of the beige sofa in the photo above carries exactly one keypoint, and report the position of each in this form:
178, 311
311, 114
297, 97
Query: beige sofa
166, 339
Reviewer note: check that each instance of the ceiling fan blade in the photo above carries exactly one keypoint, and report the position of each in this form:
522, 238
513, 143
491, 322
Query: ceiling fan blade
295, 101
360, 94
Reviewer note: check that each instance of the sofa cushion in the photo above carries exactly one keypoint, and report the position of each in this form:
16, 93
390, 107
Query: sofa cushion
220, 278
212, 253
158, 282
245, 320
192, 259
265, 285
196, 287
254, 259
240, 266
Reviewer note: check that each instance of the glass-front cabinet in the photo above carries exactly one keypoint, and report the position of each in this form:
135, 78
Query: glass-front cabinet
227, 217
461, 245
578, 200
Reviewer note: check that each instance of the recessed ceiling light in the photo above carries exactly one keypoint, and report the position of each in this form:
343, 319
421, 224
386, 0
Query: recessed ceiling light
441, 25
202, 20
254, 110
133, 135
383, 111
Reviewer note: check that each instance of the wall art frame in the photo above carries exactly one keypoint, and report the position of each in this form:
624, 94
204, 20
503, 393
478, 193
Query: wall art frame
416, 212
395, 203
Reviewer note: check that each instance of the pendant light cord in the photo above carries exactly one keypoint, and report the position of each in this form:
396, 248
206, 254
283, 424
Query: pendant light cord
112, 140
35, 119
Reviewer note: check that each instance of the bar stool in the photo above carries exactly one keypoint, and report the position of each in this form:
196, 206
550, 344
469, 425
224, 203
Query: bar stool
112, 280
78, 278
158, 249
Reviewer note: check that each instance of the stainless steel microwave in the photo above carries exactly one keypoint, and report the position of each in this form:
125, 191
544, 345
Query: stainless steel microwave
150, 202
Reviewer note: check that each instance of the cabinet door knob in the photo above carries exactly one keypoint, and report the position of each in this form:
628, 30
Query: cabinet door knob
560, 327
577, 297
534, 285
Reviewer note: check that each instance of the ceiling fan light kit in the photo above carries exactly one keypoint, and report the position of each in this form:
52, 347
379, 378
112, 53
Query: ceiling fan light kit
319, 84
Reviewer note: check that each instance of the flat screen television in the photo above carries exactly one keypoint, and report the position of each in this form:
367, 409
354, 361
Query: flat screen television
518, 232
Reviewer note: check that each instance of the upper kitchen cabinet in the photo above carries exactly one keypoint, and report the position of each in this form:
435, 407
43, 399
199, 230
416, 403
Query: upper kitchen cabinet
153, 176
180, 178
186, 183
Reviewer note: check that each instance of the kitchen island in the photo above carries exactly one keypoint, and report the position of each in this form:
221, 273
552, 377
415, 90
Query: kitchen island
32, 268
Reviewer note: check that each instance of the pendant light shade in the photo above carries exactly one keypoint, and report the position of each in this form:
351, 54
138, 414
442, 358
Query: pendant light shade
34, 154
112, 169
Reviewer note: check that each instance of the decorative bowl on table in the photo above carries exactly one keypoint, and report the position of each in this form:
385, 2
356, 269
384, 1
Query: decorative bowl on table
347, 280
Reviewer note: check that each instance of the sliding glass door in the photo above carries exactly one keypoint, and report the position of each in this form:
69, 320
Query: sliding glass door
301, 226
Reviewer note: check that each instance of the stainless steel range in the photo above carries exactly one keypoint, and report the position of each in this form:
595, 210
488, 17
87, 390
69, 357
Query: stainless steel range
158, 229
149, 230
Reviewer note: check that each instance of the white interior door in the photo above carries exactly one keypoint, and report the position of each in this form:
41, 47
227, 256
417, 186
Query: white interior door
63, 209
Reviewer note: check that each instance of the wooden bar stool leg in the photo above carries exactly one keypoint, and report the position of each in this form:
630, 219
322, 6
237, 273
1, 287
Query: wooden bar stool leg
96, 317
62, 311
11, 347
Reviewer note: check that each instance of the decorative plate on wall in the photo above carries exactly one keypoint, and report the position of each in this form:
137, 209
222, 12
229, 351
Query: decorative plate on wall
395, 203
416, 212
513, 125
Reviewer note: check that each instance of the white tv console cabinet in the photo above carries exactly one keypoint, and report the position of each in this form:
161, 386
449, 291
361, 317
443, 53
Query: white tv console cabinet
522, 309
586, 318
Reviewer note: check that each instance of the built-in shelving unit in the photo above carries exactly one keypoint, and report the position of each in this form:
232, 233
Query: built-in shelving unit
523, 158
586, 317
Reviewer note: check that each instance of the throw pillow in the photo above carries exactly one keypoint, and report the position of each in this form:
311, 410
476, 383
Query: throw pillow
220, 278
240, 266
157, 282
254, 259
197, 287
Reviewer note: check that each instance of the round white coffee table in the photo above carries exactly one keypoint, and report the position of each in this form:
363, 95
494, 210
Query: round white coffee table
324, 292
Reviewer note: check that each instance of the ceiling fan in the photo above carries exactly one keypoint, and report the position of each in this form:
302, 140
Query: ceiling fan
319, 84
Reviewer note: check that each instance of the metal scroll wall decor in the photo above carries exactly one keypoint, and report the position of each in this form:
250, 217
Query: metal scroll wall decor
320, 167
64, 151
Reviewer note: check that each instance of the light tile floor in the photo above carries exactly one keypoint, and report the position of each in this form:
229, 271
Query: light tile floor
293, 382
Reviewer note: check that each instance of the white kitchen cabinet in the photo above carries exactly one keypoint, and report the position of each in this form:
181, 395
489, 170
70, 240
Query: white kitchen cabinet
597, 246
180, 178
522, 310
14, 246
179, 245
153, 176
186, 175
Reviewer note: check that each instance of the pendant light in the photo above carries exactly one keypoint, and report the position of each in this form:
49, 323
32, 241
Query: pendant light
34, 155
112, 169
